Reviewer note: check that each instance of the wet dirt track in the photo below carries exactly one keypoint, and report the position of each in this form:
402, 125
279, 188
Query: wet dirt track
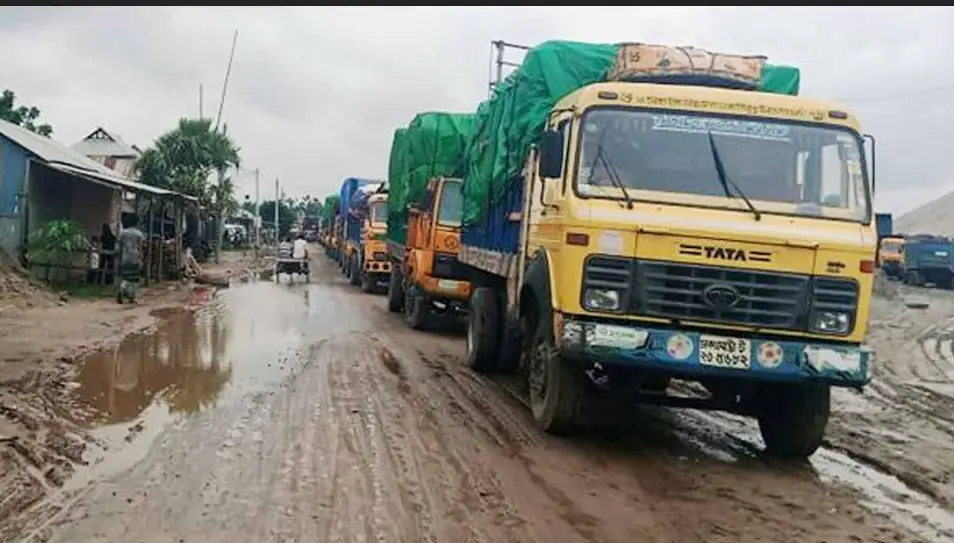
308, 413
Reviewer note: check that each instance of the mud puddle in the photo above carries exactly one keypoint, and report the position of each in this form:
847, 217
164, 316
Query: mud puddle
192, 362
882, 492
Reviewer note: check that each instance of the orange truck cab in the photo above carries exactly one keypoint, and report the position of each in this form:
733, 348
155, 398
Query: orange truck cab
891, 256
427, 280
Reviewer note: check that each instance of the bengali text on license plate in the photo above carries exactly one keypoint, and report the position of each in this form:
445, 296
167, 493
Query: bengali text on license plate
725, 352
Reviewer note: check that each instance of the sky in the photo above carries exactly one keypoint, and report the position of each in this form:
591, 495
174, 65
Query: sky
316, 93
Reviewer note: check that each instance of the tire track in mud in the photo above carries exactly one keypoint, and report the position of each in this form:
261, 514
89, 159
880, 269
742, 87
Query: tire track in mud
588, 490
381, 434
903, 424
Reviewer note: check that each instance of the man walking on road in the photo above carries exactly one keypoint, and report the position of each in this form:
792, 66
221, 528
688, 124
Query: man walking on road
130, 255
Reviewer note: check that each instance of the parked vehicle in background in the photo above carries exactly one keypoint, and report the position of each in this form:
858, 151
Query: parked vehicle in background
423, 231
350, 227
891, 256
929, 259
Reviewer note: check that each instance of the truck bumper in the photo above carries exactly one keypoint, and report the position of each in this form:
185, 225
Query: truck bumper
696, 355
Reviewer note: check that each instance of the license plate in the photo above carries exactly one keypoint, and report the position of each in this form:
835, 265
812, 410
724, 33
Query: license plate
725, 352
447, 284
617, 336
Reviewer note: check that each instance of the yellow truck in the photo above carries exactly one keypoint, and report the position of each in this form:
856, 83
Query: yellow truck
423, 233
891, 256
669, 213
372, 267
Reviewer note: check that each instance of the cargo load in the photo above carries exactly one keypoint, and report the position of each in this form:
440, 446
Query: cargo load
352, 226
509, 122
432, 145
330, 208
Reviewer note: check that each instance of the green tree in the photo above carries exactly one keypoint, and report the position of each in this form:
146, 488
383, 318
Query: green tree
24, 116
184, 159
286, 215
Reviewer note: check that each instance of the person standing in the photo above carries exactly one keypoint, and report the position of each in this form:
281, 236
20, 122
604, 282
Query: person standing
130, 258
107, 260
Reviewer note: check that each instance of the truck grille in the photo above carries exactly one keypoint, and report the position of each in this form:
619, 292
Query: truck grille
678, 291
766, 299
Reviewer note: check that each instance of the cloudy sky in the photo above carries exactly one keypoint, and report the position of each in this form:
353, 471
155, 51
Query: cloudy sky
316, 93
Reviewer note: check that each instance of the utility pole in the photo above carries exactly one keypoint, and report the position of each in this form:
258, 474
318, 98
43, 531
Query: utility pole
258, 214
277, 196
200, 100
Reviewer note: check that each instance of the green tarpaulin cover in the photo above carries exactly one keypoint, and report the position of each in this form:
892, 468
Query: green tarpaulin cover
511, 120
329, 208
432, 145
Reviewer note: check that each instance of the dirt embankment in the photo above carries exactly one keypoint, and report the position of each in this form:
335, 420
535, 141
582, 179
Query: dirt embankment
44, 336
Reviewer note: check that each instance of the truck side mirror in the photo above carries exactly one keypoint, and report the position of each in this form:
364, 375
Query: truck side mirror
551, 154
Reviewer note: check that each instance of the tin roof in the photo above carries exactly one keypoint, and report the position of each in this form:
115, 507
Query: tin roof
68, 160
101, 142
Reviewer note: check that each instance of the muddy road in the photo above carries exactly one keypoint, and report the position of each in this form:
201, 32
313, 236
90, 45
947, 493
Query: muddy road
299, 412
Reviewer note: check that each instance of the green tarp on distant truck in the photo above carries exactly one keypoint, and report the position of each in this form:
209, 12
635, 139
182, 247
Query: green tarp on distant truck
432, 145
509, 122
329, 208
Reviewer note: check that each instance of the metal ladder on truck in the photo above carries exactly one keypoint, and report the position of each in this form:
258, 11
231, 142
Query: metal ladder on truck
498, 60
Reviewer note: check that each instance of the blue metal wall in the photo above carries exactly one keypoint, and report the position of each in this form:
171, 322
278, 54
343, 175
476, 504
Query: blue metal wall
13, 160
13, 169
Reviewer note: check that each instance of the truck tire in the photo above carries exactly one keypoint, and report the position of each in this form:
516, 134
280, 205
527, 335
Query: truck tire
395, 291
555, 385
415, 308
355, 274
483, 330
792, 418
913, 278
368, 282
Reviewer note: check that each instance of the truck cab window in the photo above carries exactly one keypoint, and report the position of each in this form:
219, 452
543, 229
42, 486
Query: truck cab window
789, 168
451, 208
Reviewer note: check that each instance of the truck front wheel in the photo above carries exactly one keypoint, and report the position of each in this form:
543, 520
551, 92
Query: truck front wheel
368, 282
415, 307
792, 418
395, 291
555, 386
483, 328
355, 274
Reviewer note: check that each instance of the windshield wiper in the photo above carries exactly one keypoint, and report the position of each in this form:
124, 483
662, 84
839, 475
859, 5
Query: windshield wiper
726, 182
611, 171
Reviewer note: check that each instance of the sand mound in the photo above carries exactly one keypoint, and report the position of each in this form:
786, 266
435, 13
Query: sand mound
17, 290
934, 217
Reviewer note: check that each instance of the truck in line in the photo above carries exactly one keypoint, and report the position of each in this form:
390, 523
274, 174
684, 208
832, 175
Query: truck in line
371, 269
423, 232
349, 225
635, 214
927, 259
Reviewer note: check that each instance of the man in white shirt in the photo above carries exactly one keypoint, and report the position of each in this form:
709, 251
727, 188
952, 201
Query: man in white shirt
300, 248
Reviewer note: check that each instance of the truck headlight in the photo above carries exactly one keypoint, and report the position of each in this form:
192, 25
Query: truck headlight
599, 299
832, 322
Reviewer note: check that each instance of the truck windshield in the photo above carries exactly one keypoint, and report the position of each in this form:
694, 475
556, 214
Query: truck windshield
451, 208
782, 167
379, 213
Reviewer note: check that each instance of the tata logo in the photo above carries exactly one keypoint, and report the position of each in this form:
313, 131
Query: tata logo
724, 253
721, 297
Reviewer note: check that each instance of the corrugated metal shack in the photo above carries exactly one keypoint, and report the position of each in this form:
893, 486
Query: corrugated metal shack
42, 180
